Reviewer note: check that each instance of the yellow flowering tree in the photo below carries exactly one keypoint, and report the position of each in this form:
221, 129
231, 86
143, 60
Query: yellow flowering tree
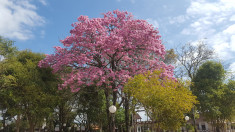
165, 100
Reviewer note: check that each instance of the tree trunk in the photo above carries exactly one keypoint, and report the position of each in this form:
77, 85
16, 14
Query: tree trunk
18, 123
107, 108
127, 119
101, 125
194, 120
112, 123
113, 115
31, 126
4, 121
217, 129
61, 117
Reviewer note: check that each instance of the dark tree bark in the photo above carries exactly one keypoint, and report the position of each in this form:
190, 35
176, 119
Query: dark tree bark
18, 123
107, 109
127, 119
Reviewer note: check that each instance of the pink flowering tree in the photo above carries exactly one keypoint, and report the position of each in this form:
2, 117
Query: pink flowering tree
106, 52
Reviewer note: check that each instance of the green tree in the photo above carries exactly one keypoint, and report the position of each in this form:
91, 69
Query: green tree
216, 98
229, 100
165, 100
170, 57
65, 109
6, 47
91, 103
27, 89
6, 50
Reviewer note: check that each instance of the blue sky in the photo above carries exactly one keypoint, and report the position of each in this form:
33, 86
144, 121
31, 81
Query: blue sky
40, 24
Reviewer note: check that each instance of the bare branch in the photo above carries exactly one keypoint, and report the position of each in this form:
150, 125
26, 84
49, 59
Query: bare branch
192, 56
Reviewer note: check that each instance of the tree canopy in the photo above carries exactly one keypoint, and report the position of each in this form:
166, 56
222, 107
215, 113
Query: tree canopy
165, 100
27, 89
106, 52
216, 98
6, 47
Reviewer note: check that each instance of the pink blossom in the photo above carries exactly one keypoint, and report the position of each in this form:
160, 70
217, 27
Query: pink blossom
108, 50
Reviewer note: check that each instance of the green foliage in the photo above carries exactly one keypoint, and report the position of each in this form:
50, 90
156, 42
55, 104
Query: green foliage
170, 57
207, 83
91, 102
165, 100
189, 127
31, 93
216, 98
120, 118
6, 47
228, 101
209, 76
25, 88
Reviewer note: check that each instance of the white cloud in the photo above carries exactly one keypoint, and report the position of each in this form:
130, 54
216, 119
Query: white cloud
232, 67
43, 2
178, 19
18, 18
232, 18
232, 42
213, 20
153, 22
202, 8
230, 30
